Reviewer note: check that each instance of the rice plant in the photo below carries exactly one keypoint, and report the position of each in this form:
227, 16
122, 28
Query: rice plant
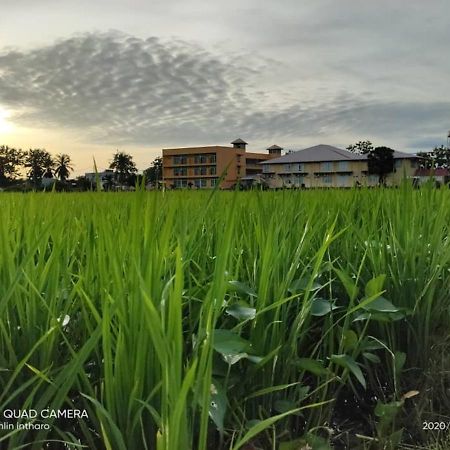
225, 320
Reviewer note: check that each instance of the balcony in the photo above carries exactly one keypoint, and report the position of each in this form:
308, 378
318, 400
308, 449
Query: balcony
285, 172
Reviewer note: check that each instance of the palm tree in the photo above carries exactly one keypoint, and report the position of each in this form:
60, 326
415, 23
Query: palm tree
123, 166
63, 166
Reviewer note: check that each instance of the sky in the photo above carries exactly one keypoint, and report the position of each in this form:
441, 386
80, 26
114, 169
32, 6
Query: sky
89, 77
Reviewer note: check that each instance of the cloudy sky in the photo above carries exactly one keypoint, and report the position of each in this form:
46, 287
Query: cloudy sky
86, 77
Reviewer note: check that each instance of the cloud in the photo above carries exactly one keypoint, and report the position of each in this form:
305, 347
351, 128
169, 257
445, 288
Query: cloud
115, 88
119, 86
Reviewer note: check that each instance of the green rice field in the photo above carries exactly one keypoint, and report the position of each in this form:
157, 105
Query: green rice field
225, 320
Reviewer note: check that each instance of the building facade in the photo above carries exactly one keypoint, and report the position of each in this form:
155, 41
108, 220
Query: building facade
205, 167
105, 177
438, 175
324, 166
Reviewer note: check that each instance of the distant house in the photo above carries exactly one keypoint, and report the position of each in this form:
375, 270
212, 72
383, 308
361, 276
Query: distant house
328, 166
47, 182
440, 175
105, 177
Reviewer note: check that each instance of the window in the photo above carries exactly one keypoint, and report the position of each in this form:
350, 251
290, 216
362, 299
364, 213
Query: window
214, 182
286, 167
200, 159
182, 159
343, 166
199, 170
326, 166
212, 159
200, 183
266, 168
180, 171
343, 180
181, 183
327, 179
373, 179
301, 167
397, 163
299, 180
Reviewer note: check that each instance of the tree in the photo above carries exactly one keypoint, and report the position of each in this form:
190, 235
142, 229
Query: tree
361, 147
123, 166
381, 163
40, 164
154, 173
82, 183
438, 158
441, 156
63, 166
426, 160
11, 160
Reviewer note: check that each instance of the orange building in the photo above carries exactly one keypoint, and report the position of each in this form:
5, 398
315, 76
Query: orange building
202, 167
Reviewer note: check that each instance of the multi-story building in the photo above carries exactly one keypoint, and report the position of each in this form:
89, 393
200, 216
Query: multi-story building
327, 166
203, 167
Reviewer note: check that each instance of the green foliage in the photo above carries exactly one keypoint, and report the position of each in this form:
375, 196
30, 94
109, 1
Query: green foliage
389, 435
361, 147
11, 160
437, 158
124, 166
153, 174
381, 162
184, 320
63, 166
39, 164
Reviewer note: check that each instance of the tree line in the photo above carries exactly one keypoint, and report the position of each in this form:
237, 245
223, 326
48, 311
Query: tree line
38, 165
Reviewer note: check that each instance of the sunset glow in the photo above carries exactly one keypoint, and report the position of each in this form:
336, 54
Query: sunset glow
6, 127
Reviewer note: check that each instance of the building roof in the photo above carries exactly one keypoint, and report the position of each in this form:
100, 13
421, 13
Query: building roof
403, 155
322, 153
317, 153
275, 147
239, 141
